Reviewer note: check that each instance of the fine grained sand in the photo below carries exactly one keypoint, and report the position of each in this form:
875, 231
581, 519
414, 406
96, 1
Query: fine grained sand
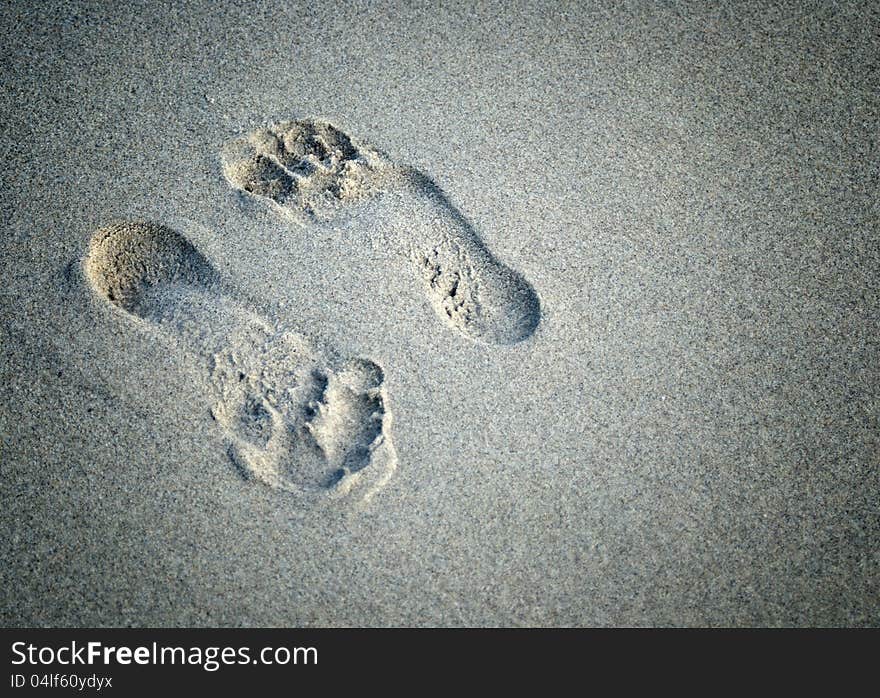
625, 316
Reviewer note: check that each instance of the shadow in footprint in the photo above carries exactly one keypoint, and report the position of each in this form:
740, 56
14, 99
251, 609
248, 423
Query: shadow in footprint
309, 171
293, 418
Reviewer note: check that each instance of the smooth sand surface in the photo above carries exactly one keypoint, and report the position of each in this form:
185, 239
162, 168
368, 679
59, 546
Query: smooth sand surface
605, 353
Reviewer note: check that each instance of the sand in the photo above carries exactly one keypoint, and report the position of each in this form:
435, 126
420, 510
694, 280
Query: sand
359, 314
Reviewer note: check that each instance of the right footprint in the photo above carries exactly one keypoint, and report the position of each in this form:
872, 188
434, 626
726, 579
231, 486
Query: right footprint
309, 170
292, 418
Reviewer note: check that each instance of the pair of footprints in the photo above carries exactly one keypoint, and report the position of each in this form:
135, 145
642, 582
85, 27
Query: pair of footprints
293, 417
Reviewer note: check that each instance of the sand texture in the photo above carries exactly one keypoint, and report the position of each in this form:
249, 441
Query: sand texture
400, 314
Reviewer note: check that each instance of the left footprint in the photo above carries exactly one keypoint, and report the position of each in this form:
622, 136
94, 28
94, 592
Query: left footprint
292, 417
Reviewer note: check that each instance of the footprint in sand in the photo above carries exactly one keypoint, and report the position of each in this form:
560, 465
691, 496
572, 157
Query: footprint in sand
311, 171
293, 418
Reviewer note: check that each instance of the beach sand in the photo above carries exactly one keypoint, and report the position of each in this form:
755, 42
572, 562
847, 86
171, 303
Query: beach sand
386, 314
